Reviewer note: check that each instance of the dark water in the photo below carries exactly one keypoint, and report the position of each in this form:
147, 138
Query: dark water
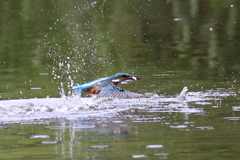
47, 47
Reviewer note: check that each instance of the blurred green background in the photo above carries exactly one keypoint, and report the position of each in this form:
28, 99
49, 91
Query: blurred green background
49, 46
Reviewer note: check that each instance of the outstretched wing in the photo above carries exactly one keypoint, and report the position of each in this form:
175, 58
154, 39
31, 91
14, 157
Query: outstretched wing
113, 91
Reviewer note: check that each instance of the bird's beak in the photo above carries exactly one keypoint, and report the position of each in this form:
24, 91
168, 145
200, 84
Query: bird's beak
135, 77
127, 78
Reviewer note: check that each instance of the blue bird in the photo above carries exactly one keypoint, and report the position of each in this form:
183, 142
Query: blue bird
108, 86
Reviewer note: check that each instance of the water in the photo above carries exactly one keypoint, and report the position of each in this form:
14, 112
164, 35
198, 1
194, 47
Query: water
92, 127
47, 47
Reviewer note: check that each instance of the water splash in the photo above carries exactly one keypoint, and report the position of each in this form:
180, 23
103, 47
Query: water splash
75, 51
75, 107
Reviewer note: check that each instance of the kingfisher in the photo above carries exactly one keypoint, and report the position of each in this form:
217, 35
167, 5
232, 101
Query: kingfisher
108, 86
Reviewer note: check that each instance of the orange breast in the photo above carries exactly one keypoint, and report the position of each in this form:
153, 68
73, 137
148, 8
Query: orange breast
93, 90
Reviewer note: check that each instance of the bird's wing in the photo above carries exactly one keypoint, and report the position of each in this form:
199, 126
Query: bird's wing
110, 90
86, 86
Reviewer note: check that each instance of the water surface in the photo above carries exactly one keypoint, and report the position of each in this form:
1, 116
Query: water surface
47, 47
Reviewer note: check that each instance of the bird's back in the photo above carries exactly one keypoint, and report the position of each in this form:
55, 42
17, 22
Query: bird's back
90, 85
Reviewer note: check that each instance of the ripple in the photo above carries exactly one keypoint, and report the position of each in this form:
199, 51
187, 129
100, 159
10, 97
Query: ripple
139, 156
100, 146
162, 155
118, 122
236, 108
205, 128
57, 127
36, 88
49, 142
179, 126
160, 75
203, 103
232, 118
40, 136
155, 146
84, 126
3, 127
189, 122
43, 74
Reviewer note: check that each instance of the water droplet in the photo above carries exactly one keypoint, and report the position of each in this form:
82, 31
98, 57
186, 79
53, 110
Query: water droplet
177, 19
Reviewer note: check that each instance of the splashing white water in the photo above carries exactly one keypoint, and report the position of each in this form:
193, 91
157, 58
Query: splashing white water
75, 106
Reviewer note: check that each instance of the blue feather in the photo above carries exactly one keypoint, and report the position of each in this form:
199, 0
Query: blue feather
107, 87
83, 87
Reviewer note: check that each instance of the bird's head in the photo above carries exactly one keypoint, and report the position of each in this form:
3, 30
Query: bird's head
121, 77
